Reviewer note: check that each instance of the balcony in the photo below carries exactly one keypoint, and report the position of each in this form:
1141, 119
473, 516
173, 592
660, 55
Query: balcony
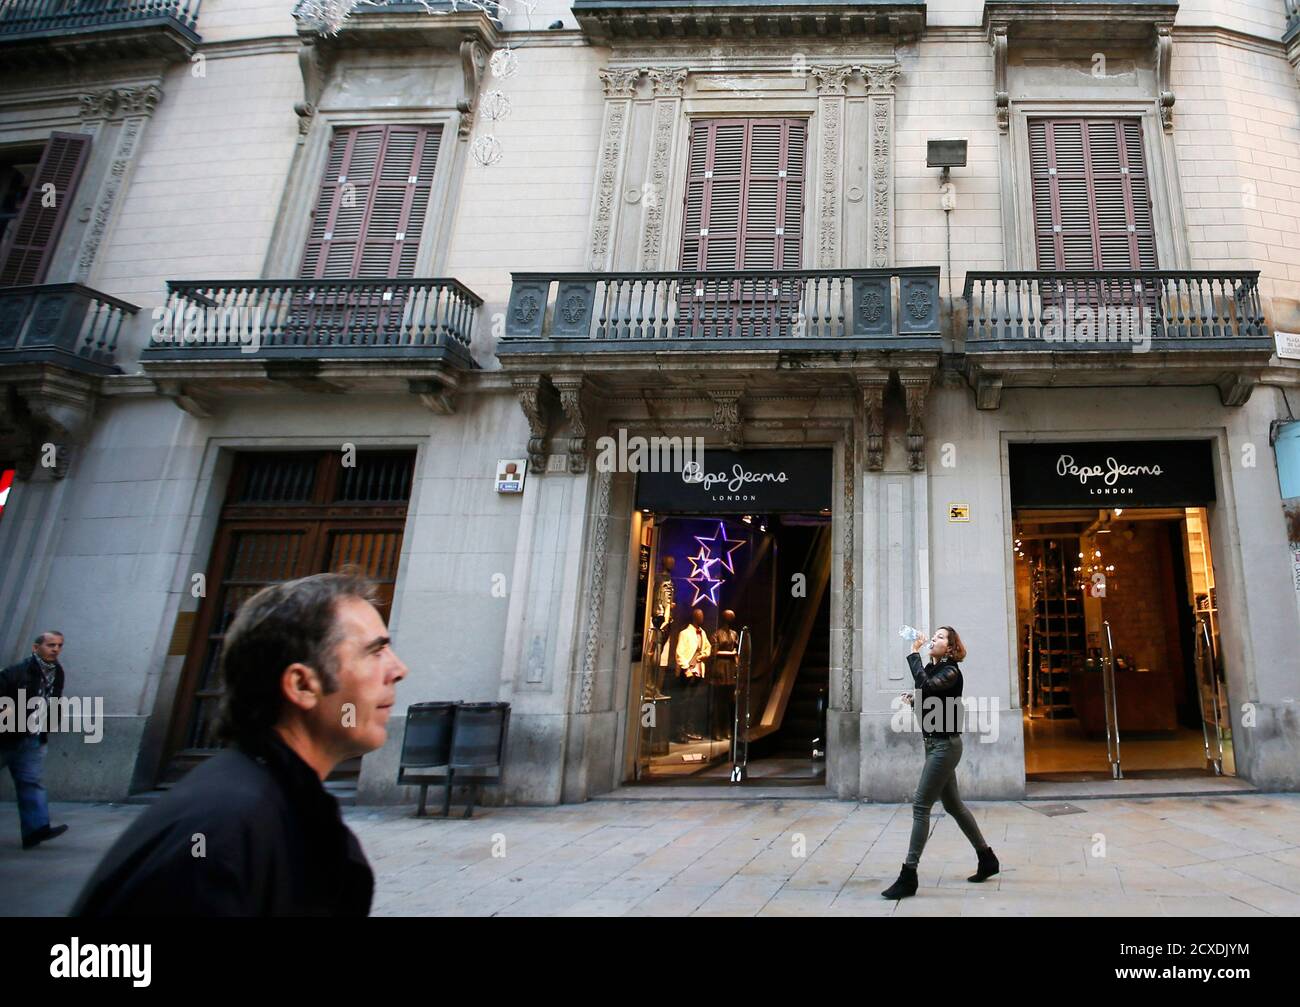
33, 32
318, 335
610, 20
61, 323
1292, 8
1115, 327
57, 342
405, 24
618, 326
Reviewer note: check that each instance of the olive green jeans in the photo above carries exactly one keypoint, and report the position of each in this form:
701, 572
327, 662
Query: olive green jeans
939, 783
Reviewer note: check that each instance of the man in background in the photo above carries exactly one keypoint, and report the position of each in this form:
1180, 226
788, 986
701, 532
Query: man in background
40, 675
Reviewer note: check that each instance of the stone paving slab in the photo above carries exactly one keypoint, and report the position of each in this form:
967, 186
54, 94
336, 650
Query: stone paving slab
1232, 855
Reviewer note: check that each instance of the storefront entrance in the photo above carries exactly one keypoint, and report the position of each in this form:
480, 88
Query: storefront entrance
731, 645
1117, 624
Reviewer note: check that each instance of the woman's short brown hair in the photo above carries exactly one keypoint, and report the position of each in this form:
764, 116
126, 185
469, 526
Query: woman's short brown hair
956, 649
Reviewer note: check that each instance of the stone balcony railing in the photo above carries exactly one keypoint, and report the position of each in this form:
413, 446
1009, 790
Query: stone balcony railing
61, 323
789, 309
299, 319
36, 31
1292, 8
1115, 327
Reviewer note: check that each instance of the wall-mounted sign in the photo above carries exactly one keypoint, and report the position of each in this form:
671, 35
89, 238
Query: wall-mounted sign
1288, 345
510, 475
796, 480
959, 512
1112, 473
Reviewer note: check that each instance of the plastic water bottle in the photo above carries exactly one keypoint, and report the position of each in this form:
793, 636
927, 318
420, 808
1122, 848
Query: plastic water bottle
911, 635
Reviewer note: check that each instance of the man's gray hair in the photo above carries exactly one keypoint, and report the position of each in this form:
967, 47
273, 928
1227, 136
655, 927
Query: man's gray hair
40, 637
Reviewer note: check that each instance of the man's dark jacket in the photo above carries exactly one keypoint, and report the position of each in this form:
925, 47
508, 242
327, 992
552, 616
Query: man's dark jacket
26, 674
271, 837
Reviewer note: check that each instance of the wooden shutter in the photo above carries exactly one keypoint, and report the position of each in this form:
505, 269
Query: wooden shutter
1091, 195
372, 202
744, 195
36, 230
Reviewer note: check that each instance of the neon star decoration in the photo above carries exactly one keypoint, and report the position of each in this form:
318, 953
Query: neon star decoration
724, 554
705, 585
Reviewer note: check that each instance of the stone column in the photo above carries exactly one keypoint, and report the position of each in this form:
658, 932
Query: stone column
132, 107
880, 95
831, 92
620, 86
668, 86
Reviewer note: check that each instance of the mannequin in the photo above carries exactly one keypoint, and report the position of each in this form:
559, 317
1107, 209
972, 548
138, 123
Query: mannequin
693, 651
722, 676
662, 601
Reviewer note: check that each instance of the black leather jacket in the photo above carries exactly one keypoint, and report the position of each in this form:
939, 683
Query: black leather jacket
940, 683
25, 675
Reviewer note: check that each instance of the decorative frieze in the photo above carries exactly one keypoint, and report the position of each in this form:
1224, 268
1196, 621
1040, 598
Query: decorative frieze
120, 102
832, 144
667, 110
107, 197
611, 159
882, 179
848, 593
596, 591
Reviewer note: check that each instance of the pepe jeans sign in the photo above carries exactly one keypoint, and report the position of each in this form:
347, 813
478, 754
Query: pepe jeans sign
1125, 473
741, 482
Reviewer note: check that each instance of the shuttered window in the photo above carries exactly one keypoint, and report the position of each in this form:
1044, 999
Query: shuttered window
744, 211
744, 195
372, 203
28, 251
1091, 194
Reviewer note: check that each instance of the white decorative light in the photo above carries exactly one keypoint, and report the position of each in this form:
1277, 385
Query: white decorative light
486, 150
496, 105
504, 63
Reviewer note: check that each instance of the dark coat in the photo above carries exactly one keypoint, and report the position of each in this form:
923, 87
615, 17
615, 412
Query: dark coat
25, 674
275, 844
940, 682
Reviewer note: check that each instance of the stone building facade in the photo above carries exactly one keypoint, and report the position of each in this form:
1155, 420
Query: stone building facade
537, 166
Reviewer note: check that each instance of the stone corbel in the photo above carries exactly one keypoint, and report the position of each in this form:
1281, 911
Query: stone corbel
473, 62
988, 387
573, 402
438, 397
50, 411
915, 390
311, 64
536, 400
726, 415
1164, 57
1001, 93
873, 408
189, 400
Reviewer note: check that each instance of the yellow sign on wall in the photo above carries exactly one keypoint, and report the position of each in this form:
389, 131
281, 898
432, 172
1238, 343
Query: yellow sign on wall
959, 512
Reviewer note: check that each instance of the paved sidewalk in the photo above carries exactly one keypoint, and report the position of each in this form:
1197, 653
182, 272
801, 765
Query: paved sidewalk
1169, 856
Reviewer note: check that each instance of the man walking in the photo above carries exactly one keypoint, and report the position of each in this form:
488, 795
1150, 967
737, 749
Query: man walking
310, 680
40, 675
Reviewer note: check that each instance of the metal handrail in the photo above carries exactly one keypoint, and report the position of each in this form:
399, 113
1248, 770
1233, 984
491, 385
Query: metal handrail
22, 16
1110, 703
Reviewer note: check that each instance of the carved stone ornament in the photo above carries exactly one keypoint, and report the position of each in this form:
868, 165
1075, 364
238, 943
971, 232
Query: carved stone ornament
1164, 56
669, 82
570, 387
726, 416
620, 83
595, 592
535, 399
610, 154
120, 102
873, 408
1001, 95
849, 588
45, 413
915, 390
473, 64
831, 79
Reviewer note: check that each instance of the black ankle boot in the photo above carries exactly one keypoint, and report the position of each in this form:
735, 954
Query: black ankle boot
988, 865
904, 886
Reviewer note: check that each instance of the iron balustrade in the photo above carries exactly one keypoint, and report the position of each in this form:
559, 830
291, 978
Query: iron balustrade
743, 308
64, 323
1292, 8
315, 318
22, 16
1095, 308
